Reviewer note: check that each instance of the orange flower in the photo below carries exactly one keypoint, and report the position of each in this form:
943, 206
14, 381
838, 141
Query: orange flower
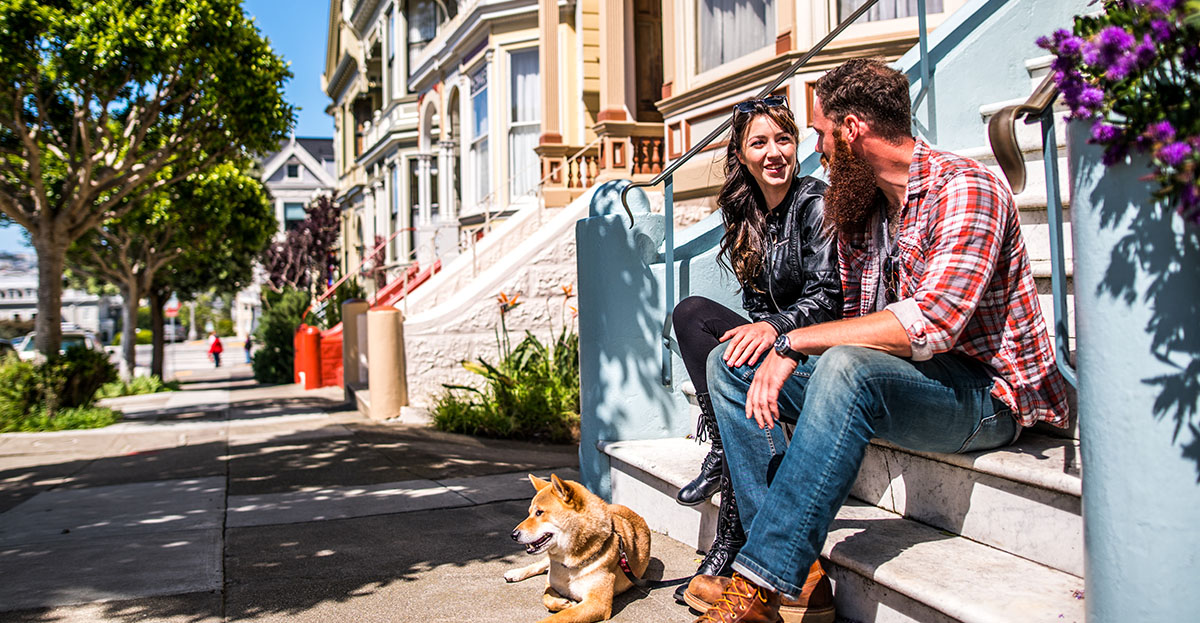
568, 290
574, 312
506, 302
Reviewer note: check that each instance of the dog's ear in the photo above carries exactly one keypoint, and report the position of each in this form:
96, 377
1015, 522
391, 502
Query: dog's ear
538, 483
563, 490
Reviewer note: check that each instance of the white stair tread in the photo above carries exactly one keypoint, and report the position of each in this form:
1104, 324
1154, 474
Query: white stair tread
1045, 462
962, 579
675, 460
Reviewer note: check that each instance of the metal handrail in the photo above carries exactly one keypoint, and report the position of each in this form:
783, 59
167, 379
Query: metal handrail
1002, 133
770, 88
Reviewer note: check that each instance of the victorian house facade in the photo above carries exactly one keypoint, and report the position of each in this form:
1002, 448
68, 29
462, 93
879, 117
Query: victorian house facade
450, 115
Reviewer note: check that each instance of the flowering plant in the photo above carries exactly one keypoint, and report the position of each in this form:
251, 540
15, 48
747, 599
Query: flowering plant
1134, 71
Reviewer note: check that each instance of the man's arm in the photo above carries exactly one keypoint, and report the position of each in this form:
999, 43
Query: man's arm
880, 330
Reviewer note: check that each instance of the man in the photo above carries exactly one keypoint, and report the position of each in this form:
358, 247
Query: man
943, 349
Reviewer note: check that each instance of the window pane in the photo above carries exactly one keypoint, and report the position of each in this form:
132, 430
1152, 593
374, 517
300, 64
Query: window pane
887, 9
293, 214
423, 19
523, 160
479, 104
731, 29
526, 104
482, 173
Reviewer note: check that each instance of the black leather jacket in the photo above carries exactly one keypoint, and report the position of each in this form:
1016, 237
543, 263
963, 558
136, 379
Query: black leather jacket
799, 284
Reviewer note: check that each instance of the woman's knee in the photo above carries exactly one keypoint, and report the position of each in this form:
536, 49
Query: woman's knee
692, 305
720, 376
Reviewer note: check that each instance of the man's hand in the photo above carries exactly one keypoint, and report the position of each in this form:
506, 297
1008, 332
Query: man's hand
762, 399
747, 342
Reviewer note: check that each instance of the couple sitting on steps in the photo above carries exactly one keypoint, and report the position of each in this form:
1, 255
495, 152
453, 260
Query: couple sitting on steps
942, 348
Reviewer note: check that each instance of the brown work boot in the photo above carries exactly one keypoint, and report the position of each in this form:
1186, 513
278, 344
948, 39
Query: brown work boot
815, 604
743, 602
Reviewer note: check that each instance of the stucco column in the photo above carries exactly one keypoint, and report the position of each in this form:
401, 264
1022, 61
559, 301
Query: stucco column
616, 63
424, 188
351, 374
548, 67
382, 213
447, 209
388, 378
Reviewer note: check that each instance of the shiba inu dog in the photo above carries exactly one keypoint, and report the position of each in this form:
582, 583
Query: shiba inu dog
585, 540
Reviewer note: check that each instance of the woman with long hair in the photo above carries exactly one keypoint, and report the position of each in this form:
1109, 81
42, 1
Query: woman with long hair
784, 258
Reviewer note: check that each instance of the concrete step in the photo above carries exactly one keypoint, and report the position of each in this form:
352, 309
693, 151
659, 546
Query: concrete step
1010, 514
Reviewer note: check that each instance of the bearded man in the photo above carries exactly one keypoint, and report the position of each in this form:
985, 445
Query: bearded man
943, 347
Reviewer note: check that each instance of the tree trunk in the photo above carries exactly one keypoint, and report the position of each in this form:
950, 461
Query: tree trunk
156, 328
129, 333
51, 256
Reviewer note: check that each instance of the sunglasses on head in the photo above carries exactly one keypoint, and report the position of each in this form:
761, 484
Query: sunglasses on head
749, 106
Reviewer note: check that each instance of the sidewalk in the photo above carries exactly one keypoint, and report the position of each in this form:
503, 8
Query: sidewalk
231, 501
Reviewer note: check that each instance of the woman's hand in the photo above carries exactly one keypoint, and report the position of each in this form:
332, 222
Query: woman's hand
747, 342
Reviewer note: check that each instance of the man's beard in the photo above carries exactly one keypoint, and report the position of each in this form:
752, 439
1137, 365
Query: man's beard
852, 193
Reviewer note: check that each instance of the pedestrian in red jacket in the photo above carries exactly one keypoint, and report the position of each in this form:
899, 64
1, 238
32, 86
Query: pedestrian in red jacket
214, 349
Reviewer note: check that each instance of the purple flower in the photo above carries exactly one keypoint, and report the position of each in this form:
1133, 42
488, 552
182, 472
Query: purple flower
1091, 98
1105, 133
1163, 6
1173, 154
1191, 57
1107, 48
1145, 52
1161, 131
1114, 154
1162, 30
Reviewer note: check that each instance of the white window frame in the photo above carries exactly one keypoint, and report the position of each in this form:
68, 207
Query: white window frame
480, 133
516, 183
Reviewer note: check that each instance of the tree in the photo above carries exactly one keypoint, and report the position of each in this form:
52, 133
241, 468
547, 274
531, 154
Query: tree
98, 99
307, 249
208, 223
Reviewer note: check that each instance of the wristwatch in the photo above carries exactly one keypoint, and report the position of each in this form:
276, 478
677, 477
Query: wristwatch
783, 346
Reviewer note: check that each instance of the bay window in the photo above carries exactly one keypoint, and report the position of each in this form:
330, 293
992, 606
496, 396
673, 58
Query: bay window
731, 29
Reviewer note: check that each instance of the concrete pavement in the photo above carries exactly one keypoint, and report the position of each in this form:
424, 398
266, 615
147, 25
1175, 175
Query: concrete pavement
230, 501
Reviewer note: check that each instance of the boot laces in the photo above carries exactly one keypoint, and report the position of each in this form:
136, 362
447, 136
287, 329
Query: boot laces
726, 604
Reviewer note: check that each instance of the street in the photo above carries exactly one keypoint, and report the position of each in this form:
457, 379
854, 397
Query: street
182, 360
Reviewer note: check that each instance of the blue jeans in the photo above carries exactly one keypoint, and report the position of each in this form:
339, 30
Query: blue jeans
788, 494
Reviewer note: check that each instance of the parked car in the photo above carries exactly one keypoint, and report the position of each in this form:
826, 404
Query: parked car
73, 336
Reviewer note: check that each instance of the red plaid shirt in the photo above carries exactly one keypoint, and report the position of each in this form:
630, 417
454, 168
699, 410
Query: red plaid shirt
965, 284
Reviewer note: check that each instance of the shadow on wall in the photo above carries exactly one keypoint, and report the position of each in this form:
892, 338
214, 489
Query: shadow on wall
1156, 263
621, 315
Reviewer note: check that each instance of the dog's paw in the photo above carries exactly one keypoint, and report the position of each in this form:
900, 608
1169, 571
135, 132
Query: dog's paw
516, 575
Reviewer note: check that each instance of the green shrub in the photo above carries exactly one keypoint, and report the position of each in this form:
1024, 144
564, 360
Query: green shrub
144, 336
532, 394
76, 418
139, 385
224, 326
11, 329
33, 396
332, 313
274, 360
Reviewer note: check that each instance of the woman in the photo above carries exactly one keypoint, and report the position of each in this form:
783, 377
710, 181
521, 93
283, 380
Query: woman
784, 258
215, 349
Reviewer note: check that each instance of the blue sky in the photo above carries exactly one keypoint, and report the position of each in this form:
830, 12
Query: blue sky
297, 30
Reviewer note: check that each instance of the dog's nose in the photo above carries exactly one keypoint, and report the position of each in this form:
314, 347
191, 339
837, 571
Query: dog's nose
516, 534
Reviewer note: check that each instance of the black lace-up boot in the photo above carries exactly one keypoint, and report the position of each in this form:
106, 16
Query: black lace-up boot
728, 541
706, 484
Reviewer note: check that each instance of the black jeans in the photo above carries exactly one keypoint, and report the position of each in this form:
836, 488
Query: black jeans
699, 324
